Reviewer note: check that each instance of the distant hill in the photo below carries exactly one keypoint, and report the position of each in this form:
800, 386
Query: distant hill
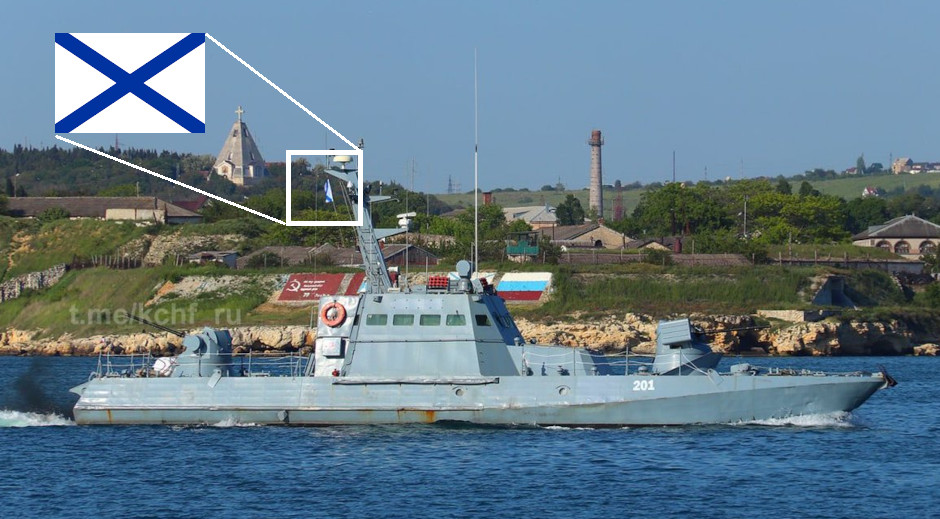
847, 187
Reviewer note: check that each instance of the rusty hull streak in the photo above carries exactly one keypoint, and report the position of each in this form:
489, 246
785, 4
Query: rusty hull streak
427, 415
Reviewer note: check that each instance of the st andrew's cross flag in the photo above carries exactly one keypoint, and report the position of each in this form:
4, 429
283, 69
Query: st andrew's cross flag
130, 83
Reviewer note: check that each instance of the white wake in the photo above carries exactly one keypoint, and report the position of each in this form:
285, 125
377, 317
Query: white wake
23, 419
232, 422
837, 419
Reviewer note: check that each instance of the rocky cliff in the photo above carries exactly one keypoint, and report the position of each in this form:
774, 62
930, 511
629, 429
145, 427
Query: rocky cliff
610, 335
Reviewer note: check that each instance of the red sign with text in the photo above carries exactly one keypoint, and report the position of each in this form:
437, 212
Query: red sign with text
309, 287
355, 283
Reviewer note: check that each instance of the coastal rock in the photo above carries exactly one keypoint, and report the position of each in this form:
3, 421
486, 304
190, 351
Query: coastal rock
613, 334
610, 335
930, 349
842, 338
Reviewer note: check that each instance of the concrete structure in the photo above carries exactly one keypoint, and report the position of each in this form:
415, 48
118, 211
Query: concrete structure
140, 208
240, 161
226, 257
596, 197
670, 243
907, 236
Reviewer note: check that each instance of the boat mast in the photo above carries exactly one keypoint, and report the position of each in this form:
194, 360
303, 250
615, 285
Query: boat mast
476, 149
366, 235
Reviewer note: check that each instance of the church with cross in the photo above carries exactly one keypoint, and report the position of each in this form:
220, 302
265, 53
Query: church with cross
240, 161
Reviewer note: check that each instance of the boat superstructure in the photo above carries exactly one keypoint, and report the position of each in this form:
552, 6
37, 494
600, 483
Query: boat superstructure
449, 350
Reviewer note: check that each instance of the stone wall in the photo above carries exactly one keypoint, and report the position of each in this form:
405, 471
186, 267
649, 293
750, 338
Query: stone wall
171, 245
33, 281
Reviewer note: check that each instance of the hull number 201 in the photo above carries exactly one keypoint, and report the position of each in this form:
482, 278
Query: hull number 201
643, 385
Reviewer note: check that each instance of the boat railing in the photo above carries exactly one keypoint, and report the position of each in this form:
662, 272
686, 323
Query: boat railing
576, 363
251, 364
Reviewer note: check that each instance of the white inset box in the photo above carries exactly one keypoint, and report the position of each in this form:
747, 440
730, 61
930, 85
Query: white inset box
326, 153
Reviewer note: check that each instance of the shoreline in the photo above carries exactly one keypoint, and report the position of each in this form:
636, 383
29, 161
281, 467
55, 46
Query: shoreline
610, 336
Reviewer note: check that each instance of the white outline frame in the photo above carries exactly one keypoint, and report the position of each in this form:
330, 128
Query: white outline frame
324, 153
354, 151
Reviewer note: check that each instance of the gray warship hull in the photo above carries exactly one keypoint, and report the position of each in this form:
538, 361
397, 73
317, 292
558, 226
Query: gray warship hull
450, 351
567, 401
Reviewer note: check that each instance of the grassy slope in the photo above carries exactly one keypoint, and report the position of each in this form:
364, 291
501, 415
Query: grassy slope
42, 246
92, 301
74, 304
672, 290
662, 291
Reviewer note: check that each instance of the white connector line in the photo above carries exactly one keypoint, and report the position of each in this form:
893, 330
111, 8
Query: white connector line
283, 93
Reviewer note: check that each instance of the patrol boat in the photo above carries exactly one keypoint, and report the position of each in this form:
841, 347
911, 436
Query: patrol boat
449, 351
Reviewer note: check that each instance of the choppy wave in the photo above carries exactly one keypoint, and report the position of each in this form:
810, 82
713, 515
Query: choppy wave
23, 419
837, 419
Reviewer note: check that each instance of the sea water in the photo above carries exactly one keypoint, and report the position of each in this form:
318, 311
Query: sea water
882, 460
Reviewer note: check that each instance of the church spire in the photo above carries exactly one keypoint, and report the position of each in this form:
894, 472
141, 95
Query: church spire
240, 160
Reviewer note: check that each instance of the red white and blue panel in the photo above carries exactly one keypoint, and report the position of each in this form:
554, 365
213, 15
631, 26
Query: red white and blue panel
524, 286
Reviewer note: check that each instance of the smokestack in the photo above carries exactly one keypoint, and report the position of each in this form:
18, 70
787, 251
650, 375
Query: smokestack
596, 196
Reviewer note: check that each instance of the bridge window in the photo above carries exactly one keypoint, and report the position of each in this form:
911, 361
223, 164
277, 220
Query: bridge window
482, 320
376, 320
403, 320
456, 320
430, 320
902, 247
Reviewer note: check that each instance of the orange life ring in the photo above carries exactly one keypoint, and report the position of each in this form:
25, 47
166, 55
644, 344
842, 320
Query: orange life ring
333, 314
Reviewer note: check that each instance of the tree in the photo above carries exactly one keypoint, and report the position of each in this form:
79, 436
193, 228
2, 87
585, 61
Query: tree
931, 296
931, 262
570, 211
806, 189
676, 208
783, 187
862, 213
119, 190
860, 164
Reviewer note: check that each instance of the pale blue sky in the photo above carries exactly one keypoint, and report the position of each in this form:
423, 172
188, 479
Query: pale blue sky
781, 86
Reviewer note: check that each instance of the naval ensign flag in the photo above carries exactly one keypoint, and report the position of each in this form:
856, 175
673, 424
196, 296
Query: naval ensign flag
329, 192
130, 83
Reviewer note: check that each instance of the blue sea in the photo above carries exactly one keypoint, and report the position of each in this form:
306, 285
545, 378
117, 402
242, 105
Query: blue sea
883, 460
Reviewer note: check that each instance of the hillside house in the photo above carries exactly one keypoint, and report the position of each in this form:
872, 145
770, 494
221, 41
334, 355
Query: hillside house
907, 236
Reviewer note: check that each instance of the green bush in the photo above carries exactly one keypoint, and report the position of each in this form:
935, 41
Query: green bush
52, 214
657, 257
